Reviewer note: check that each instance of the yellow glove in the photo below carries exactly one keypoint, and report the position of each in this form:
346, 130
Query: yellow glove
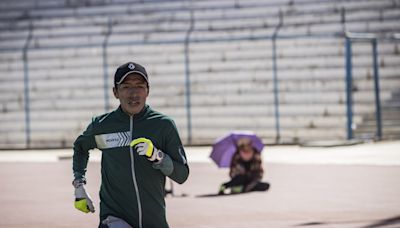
83, 202
146, 148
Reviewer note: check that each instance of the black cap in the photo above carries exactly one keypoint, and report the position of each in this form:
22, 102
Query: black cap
129, 68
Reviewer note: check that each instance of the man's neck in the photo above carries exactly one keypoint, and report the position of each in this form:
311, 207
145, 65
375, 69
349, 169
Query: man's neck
132, 114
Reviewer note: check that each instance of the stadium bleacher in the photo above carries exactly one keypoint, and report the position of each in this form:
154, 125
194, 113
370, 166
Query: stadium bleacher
230, 65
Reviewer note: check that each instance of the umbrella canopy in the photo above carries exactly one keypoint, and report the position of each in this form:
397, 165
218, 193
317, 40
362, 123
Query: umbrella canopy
225, 147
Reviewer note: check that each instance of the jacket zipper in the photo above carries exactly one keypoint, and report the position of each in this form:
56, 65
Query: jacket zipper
134, 175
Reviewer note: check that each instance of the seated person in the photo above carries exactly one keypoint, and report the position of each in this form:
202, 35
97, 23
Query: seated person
246, 170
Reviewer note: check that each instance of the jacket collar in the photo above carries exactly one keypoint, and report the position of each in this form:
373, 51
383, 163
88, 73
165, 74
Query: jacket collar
124, 116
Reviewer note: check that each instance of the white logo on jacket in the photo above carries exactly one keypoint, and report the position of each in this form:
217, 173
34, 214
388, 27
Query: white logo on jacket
112, 140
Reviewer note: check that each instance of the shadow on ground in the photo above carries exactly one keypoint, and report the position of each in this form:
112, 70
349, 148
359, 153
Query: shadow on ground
384, 222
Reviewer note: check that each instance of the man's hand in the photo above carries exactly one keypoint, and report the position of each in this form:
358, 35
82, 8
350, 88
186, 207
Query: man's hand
146, 148
83, 202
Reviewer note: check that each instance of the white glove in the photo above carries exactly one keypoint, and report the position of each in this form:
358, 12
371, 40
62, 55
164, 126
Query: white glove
145, 148
83, 202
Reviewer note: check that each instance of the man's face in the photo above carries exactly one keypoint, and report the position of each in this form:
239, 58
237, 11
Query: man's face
132, 93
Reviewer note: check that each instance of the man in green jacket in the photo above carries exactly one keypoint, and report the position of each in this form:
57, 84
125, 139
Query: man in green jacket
140, 147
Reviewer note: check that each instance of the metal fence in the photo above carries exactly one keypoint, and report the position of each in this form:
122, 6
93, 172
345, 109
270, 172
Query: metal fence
348, 39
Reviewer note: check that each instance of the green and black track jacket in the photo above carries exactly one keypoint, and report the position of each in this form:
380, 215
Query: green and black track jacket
131, 188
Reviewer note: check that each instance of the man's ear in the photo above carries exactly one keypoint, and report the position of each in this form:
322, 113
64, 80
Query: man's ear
115, 91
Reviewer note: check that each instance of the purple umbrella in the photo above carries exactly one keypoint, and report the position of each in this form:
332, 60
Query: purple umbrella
225, 147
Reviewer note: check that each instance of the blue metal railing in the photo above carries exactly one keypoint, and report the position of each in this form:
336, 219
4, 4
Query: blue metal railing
377, 90
187, 40
349, 89
105, 65
187, 80
370, 38
276, 82
26, 89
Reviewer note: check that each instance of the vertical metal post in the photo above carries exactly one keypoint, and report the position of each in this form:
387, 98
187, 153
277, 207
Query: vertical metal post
343, 19
26, 90
105, 66
377, 90
276, 92
187, 76
349, 86
275, 79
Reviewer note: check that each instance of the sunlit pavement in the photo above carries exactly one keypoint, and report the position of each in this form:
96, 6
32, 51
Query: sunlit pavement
353, 186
